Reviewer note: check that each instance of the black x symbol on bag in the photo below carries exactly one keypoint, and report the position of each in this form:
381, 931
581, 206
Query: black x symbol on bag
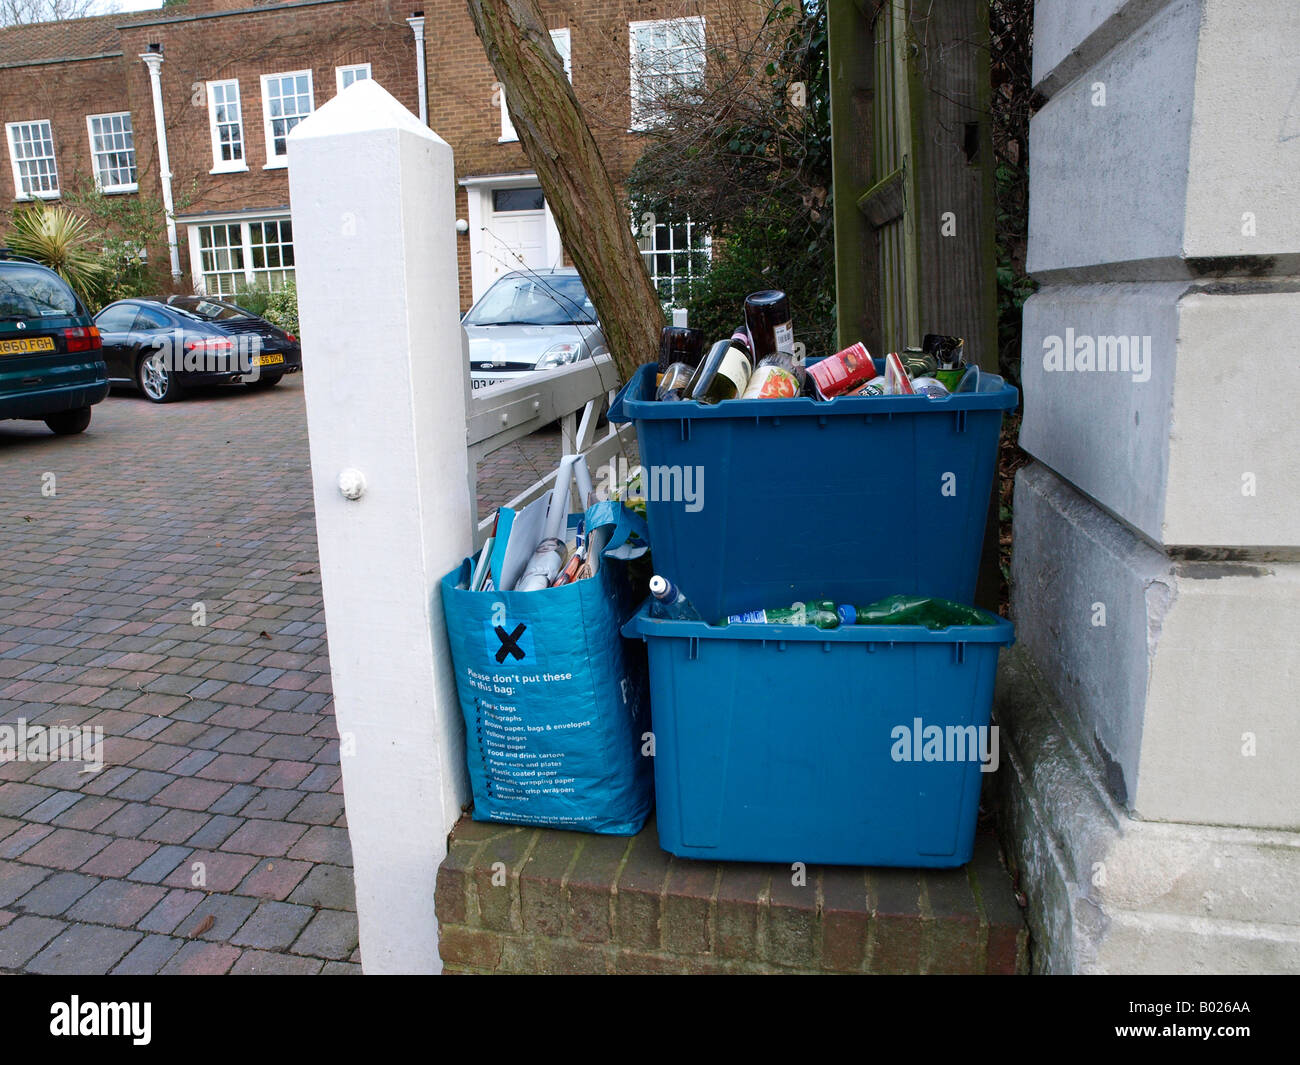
508, 644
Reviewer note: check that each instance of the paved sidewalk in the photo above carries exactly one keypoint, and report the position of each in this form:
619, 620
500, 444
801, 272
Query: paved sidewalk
213, 840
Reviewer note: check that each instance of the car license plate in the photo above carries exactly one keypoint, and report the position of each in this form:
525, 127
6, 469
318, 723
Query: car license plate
18, 347
484, 382
268, 360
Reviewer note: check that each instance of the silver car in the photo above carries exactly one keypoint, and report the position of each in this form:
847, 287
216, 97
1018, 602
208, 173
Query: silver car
528, 321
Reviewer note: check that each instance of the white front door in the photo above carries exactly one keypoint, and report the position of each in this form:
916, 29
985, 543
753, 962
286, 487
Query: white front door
511, 228
515, 235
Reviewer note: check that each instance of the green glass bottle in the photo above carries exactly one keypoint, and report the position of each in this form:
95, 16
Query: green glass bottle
820, 612
931, 612
723, 374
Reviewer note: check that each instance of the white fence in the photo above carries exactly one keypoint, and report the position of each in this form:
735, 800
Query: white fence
576, 396
395, 442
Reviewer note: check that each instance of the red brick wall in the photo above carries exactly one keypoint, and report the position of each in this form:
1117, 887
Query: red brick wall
64, 94
200, 44
246, 46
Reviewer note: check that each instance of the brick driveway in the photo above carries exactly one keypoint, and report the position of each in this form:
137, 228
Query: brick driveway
213, 840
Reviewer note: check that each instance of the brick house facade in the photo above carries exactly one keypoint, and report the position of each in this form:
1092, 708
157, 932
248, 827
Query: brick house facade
76, 102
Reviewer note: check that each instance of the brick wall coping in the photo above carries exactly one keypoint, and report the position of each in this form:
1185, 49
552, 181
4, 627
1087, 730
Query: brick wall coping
526, 900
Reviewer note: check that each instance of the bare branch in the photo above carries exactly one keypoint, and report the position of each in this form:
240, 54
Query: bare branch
23, 12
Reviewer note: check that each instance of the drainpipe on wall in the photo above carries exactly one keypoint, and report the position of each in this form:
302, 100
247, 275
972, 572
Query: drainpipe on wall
153, 60
416, 22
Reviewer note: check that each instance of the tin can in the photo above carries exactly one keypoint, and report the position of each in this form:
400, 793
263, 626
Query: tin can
918, 363
838, 373
771, 382
928, 386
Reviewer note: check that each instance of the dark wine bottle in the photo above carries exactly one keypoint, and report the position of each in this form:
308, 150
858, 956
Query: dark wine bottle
723, 374
767, 317
680, 344
741, 339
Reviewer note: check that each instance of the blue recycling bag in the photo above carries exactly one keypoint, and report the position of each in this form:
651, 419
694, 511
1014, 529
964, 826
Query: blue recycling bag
555, 700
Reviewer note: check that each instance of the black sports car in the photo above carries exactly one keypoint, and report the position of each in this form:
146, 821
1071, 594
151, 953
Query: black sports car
162, 348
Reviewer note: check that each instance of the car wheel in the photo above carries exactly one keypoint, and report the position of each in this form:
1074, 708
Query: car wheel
155, 378
265, 381
69, 422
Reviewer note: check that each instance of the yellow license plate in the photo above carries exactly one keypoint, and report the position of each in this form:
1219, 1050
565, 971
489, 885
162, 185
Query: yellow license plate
268, 360
18, 347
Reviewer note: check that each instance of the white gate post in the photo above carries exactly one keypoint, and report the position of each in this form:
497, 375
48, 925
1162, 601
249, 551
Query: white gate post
373, 192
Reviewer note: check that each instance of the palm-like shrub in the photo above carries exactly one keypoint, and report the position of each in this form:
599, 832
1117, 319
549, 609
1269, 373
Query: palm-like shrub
59, 239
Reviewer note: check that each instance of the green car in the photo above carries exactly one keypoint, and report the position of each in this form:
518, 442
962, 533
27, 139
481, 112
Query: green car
51, 358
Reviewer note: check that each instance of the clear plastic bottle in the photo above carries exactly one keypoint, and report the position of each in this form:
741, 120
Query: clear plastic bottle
667, 601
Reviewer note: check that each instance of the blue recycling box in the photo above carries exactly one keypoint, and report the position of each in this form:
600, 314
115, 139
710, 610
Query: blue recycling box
853, 499
862, 745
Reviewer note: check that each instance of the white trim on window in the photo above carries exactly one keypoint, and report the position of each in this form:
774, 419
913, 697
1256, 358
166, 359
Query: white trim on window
345, 76
217, 258
678, 57
301, 98
32, 159
226, 258
562, 42
226, 116
672, 251
112, 151
269, 242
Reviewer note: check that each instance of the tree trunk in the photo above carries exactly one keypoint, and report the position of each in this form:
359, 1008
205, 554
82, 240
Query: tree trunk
591, 216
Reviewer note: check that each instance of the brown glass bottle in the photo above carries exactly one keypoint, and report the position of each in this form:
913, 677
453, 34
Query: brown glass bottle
680, 344
767, 317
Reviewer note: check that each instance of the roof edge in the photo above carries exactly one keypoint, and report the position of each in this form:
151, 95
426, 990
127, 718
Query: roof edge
60, 59
255, 10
